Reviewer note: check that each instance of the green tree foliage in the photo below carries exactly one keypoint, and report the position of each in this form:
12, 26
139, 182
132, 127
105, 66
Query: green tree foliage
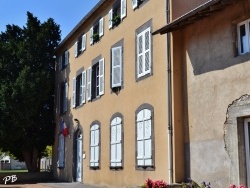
27, 88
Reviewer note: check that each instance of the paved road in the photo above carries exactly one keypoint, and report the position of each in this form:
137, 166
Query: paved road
50, 185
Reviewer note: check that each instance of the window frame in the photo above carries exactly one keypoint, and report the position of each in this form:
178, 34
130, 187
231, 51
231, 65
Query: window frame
96, 125
141, 31
117, 165
152, 166
117, 13
80, 45
97, 31
79, 89
246, 23
93, 78
64, 97
63, 60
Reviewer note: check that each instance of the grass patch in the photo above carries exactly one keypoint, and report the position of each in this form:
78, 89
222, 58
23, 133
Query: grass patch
12, 171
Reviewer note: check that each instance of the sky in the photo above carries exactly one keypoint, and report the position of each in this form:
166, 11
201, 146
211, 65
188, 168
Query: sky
66, 13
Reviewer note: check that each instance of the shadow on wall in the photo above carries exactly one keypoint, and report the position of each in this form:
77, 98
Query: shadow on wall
211, 46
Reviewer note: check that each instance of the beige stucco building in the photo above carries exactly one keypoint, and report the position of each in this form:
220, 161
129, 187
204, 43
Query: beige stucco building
132, 104
210, 59
111, 99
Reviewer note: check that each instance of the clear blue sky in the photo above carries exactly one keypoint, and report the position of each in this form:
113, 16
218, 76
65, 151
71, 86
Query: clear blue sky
66, 13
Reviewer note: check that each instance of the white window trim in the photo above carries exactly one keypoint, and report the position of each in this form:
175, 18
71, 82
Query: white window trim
110, 18
246, 23
76, 48
84, 37
83, 87
74, 93
91, 36
101, 27
134, 4
123, 9
101, 76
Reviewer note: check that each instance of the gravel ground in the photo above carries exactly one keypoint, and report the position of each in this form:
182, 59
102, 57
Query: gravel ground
49, 185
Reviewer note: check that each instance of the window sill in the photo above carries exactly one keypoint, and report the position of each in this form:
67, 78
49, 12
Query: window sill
143, 77
116, 168
145, 168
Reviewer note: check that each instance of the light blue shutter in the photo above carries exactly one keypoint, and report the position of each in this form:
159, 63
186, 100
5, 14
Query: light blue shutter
134, 3
123, 8
66, 58
147, 51
101, 27
74, 93
140, 139
110, 18
76, 48
117, 67
91, 35
84, 37
89, 86
60, 151
60, 62
65, 104
101, 76
83, 87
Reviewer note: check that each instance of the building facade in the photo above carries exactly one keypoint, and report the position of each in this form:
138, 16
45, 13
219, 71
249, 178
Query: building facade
210, 58
111, 98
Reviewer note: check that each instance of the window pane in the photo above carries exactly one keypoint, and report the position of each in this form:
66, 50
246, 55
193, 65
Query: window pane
243, 38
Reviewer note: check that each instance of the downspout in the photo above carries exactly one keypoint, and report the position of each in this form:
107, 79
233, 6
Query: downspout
169, 91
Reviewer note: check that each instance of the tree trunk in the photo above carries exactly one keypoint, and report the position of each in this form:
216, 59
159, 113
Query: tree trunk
31, 159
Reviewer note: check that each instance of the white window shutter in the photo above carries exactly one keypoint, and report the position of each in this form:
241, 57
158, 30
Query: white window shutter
97, 135
110, 18
147, 51
83, 87
117, 67
91, 35
84, 42
60, 62
65, 104
123, 8
101, 27
89, 85
74, 93
140, 139
76, 48
66, 58
134, 3
101, 76
140, 59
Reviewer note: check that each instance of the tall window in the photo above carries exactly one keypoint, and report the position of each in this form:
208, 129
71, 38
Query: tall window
79, 90
60, 161
143, 52
144, 139
116, 139
244, 37
80, 45
95, 80
96, 31
117, 13
64, 98
63, 60
94, 146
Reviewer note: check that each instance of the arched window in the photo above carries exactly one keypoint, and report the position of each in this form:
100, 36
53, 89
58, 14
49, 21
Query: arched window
144, 137
94, 145
116, 142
